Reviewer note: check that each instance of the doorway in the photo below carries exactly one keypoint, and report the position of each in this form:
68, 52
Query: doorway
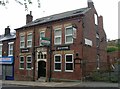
41, 69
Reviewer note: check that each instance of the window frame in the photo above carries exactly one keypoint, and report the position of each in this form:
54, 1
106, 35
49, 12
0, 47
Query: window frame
68, 35
29, 40
27, 62
9, 50
69, 62
23, 62
60, 36
1, 49
58, 62
22, 41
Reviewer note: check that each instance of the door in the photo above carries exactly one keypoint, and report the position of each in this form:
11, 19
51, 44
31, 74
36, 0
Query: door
41, 69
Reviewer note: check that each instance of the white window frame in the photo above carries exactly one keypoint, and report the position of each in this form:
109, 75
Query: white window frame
58, 62
22, 41
28, 62
58, 36
41, 37
23, 62
68, 35
9, 51
1, 50
29, 40
69, 62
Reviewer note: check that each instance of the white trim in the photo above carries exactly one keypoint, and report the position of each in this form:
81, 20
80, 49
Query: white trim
28, 62
58, 62
68, 35
30, 40
21, 62
10, 43
22, 41
69, 62
58, 29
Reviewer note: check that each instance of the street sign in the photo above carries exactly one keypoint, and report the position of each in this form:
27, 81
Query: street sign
45, 41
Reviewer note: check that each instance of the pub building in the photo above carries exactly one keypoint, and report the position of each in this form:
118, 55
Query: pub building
7, 51
64, 46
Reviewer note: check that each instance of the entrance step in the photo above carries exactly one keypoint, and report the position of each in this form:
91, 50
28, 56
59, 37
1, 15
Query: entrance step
42, 79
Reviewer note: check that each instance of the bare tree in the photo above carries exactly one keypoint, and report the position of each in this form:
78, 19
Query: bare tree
21, 2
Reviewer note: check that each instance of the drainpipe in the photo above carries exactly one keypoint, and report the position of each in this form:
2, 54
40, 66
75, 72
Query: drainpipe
33, 55
50, 50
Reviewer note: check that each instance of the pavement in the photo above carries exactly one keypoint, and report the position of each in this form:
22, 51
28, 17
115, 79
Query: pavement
60, 84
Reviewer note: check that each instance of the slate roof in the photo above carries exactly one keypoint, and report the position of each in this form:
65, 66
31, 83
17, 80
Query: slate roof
8, 37
57, 17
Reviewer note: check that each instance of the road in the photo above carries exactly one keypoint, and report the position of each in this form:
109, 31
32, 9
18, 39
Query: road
29, 87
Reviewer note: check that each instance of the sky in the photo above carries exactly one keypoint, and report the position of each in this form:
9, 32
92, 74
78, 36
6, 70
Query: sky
14, 14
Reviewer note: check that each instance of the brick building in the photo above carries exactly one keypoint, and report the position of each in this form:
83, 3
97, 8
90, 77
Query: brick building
7, 52
73, 46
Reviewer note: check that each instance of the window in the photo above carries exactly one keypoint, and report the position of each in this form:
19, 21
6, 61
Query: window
42, 34
11, 48
57, 36
21, 65
69, 35
22, 41
29, 40
0, 50
69, 62
29, 62
96, 19
88, 42
42, 55
57, 62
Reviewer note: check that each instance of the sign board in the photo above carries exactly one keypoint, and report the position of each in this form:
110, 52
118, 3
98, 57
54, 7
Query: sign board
24, 50
45, 41
63, 48
6, 60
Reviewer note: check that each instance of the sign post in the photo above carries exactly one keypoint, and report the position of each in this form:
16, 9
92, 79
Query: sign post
45, 41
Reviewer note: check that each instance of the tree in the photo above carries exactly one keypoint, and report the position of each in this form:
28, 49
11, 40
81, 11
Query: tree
21, 2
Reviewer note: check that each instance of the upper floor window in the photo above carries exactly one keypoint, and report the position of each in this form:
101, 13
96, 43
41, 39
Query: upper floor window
42, 34
0, 50
57, 62
10, 48
22, 41
29, 40
96, 19
69, 34
69, 62
57, 36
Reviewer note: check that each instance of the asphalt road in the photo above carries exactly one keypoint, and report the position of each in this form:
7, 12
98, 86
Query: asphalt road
29, 87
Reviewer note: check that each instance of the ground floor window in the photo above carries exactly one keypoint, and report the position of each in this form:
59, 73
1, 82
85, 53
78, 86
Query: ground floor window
28, 62
69, 62
21, 62
57, 62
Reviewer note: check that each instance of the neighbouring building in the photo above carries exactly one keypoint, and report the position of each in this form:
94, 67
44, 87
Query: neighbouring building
65, 46
7, 51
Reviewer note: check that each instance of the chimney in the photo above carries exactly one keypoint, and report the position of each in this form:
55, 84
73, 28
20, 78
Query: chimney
90, 3
29, 17
100, 21
7, 31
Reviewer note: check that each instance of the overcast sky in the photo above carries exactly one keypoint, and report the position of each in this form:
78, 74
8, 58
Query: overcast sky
14, 15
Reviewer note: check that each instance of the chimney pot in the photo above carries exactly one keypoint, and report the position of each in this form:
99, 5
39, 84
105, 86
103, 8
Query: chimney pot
29, 17
7, 31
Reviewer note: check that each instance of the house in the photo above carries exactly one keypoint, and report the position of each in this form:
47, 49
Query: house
7, 51
64, 46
